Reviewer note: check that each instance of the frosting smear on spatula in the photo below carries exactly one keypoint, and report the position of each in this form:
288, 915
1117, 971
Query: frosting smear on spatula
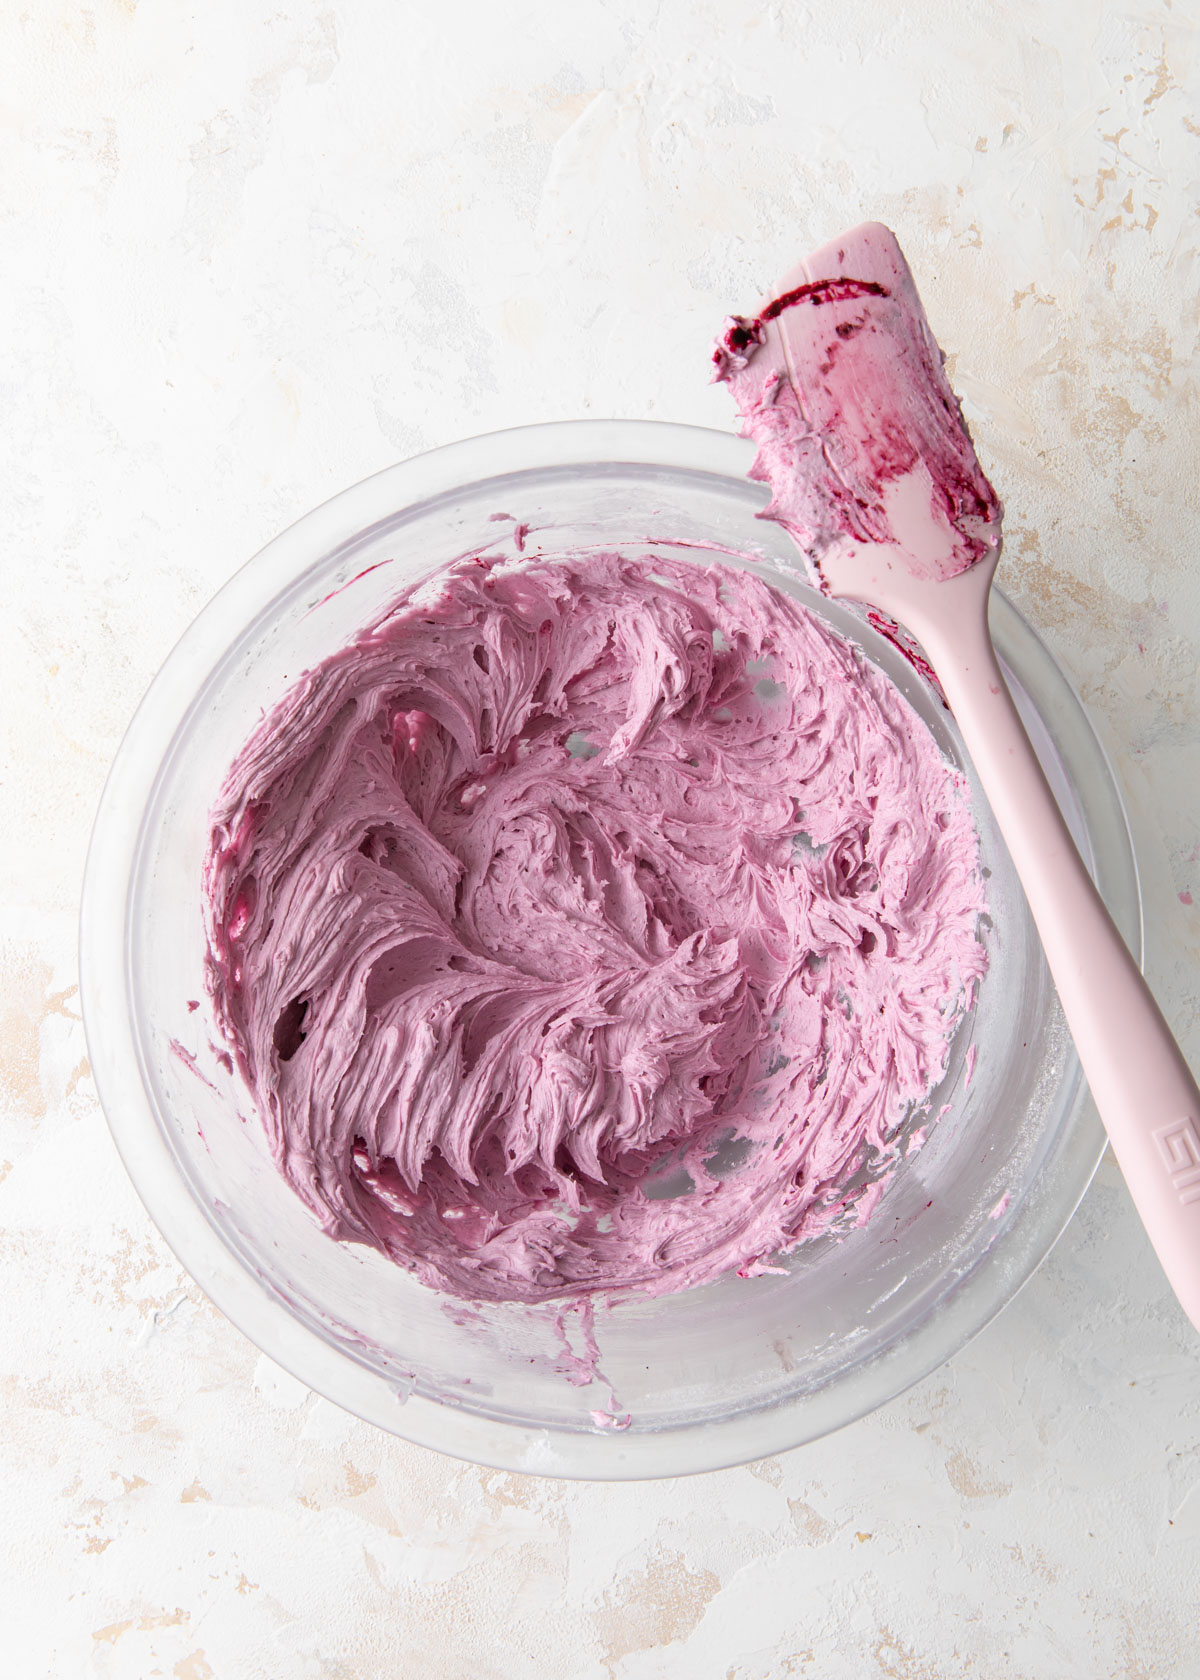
840, 383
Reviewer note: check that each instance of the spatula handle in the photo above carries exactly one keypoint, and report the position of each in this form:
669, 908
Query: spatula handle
1142, 1086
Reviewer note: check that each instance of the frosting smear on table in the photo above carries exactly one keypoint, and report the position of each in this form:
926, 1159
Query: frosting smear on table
589, 926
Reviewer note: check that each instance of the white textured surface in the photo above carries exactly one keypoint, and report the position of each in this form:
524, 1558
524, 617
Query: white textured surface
252, 253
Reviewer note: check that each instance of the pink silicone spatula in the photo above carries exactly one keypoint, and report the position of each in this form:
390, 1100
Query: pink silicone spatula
840, 383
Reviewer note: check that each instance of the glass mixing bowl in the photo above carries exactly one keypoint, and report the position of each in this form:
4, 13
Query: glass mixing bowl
710, 1377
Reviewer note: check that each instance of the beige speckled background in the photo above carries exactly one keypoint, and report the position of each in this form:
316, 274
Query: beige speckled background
252, 253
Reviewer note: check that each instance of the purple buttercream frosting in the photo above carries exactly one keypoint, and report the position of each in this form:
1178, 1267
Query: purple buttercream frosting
588, 925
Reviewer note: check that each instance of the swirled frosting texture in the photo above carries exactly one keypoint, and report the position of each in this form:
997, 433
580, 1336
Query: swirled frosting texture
589, 925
